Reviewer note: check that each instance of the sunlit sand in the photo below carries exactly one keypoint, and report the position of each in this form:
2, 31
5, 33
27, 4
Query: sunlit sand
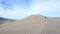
34, 24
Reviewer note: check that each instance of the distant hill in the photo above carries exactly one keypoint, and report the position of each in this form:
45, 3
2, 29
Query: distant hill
2, 20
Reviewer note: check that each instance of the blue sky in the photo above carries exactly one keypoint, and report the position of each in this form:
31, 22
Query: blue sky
19, 9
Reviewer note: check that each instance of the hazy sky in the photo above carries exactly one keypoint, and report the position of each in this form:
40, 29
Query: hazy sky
18, 9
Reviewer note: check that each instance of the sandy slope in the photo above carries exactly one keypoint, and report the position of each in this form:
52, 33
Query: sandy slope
34, 24
52, 27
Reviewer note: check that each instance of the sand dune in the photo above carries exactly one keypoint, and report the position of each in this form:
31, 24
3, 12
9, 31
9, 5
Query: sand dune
34, 24
53, 26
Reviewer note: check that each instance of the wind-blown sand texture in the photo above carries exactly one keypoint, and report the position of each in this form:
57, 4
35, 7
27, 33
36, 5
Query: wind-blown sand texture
34, 24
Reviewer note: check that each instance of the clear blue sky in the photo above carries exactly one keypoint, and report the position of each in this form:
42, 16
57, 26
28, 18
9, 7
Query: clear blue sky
18, 9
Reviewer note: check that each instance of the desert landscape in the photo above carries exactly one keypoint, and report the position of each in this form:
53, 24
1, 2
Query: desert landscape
34, 24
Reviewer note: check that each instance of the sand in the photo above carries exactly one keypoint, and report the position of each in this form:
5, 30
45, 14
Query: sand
34, 24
